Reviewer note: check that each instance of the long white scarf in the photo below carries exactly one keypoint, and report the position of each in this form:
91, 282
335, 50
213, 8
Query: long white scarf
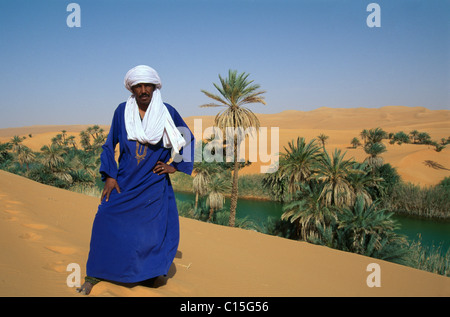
157, 122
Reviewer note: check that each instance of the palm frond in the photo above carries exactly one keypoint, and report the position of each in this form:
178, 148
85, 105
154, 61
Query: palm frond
215, 97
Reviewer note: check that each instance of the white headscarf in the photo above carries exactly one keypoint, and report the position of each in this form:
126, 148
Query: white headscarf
157, 122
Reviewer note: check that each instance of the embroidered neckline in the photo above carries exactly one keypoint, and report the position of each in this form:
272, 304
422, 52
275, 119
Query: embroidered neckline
140, 153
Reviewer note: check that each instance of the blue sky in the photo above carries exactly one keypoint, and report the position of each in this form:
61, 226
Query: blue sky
305, 54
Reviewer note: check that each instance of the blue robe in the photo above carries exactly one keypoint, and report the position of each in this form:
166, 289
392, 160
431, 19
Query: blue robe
135, 234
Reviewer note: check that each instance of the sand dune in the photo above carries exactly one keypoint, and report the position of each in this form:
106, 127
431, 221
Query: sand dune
45, 229
342, 125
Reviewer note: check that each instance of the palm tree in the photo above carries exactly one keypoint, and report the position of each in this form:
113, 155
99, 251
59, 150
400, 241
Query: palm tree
333, 172
355, 142
98, 139
16, 142
203, 172
374, 150
370, 231
85, 140
4, 148
71, 141
217, 188
322, 137
364, 134
86, 163
276, 185
414, 134
26, 156
361, 179
52, 156
401, 137
424, 138
235, 92
296, 164
366, 230
376, 135
308, 210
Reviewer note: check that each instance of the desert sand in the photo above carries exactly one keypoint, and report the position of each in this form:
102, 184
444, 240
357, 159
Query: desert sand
44, 229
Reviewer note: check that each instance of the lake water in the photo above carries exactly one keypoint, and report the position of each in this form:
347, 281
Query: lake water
432, 232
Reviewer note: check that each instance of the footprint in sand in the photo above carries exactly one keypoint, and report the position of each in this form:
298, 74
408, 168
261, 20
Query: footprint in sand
30, 236
56, 267
10, 214
61, 249
37, 226
13, 202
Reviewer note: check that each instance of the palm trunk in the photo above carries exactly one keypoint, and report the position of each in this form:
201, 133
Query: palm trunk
196, 202
211, 212
234, 188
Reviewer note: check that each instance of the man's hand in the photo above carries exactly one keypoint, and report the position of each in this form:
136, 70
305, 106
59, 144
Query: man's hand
110, 184
163, 168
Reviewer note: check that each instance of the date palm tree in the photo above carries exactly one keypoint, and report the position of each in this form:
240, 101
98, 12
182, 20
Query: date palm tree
52, 155
364, 133
308, 210
203, 172
296, 164
217, 189
5, 156
16, 142
367, 230
323, 138
374, 150
71, 141
235, 91
414, 134
370, 231
376, 135
355, 142
52, 158
333, 171
361, 179
26, 156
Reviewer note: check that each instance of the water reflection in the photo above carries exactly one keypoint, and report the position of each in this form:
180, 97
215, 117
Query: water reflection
432, 232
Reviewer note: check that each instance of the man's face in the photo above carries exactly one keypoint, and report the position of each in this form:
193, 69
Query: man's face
143, 93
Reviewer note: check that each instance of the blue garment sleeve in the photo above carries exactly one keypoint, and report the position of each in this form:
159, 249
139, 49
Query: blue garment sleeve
183, 162
108, 164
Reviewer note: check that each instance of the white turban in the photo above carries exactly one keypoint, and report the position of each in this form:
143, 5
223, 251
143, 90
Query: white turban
141, 74
157, 122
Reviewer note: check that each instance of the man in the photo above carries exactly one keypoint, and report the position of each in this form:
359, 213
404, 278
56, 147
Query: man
135, 233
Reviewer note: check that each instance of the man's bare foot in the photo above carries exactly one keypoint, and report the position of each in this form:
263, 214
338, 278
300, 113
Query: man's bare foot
86, 288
